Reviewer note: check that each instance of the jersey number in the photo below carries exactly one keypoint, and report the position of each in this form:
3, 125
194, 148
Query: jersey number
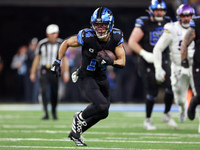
155, 35
92, 67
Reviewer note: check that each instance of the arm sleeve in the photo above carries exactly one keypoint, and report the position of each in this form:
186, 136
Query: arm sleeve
163, 42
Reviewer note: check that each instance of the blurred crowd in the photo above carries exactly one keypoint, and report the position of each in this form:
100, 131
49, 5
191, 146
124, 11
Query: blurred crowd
123, 83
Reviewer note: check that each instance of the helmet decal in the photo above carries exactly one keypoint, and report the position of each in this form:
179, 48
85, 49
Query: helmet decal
157, 4
184, 9
102, 15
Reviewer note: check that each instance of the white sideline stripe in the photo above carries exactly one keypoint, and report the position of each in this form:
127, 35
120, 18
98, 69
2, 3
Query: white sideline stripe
97, 140
79, 148
77, 107
100, 133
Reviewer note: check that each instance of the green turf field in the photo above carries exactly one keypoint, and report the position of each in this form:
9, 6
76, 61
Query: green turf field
23, 130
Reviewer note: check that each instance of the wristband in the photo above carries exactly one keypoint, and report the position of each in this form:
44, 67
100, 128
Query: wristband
59, 61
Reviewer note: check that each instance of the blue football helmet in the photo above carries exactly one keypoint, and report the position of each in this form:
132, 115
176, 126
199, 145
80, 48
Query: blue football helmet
157, 4
102, 15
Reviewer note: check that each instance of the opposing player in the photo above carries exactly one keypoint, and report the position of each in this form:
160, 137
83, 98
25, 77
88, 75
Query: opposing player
193, 33
91, 77
143, 38
181, 78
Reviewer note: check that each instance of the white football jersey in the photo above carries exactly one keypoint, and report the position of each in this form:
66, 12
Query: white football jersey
177, 33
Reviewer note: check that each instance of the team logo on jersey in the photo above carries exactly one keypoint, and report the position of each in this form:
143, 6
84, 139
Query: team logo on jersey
91, 50
179, 33
166, 31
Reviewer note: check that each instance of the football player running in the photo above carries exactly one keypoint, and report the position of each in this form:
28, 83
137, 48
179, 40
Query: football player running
143, 38
193, 34
181, 78
91, 76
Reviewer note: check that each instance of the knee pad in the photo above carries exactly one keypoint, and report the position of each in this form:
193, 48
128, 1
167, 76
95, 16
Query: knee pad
104, 115
103, 107
151, 97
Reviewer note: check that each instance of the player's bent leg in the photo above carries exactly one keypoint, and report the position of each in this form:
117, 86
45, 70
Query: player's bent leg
94, 119
77, 125
193, 104
148, 122
180, 99
166, 117
198, 112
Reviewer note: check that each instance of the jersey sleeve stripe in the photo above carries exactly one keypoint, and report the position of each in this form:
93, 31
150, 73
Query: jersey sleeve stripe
121, 41
80, 39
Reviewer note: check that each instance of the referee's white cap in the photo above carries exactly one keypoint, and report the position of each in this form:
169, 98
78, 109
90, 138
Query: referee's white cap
52, 28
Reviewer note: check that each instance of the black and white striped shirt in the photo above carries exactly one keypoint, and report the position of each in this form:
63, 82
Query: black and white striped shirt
48, 52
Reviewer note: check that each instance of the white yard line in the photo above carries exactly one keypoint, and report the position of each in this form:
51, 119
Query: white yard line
98, 140
103, 133
48, 147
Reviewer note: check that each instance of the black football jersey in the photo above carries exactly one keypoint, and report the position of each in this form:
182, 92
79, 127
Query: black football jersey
195, 23
152, 31
91, 46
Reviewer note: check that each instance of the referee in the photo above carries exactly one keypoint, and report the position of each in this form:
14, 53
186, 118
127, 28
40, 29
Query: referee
46, 53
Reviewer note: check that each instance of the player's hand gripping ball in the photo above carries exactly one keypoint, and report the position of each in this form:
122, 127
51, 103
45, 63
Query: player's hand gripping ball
106, 57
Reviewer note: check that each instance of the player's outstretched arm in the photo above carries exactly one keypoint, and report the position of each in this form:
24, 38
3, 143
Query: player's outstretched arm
133, 42
163, 42
189, 37
71, 42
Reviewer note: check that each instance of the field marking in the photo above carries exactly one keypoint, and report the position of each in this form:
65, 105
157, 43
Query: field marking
47, 147
98, 140
104, 133
159, 126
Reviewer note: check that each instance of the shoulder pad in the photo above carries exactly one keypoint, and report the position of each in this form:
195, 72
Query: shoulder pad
144, 17
168, 27
168, 18
85, 33
118, 35
140, 21
196, 17
192, 23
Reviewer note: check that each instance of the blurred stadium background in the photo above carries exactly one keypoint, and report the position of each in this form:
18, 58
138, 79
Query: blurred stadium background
21, 20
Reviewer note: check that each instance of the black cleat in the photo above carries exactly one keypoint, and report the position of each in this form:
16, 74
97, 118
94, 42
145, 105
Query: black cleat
55, 117
192, 108
45, 118
78, 141
77, 126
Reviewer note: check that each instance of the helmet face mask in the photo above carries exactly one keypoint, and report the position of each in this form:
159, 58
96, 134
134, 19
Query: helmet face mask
102, 22
157, 5
184, 13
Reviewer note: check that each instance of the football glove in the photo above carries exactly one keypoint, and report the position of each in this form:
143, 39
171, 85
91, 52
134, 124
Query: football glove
148, 56
160, 74
184, 63
105, 60
74, 75
56, 68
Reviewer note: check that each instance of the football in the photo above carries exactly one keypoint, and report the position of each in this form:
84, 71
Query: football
109, 53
